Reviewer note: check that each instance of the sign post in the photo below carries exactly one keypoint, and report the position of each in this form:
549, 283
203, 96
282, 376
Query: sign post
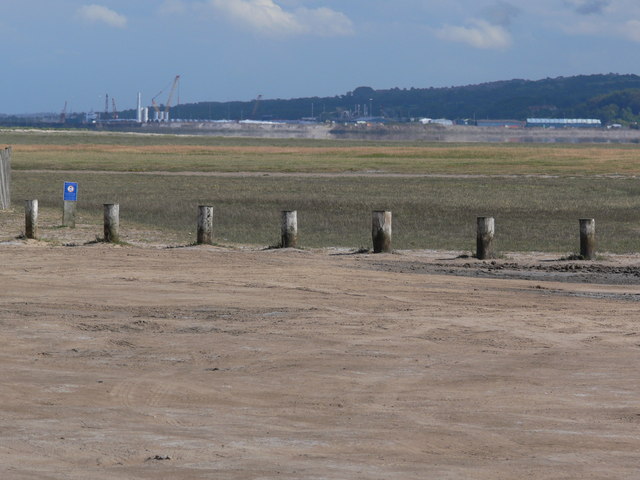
70, 198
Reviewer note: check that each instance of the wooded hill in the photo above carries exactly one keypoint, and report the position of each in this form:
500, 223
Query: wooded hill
612, 98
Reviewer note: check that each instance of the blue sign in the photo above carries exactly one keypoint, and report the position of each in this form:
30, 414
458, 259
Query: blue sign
71, 191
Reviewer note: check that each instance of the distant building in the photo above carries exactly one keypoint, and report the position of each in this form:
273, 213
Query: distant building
436, 121
369, 120
564, 122
91, 117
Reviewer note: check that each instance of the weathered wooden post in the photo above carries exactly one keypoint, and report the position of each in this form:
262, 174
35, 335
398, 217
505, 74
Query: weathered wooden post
484, 238
69, 214
70, 200
289, 229
111, 222
588, 238
5, 178
381, 231
205, 225
31, 219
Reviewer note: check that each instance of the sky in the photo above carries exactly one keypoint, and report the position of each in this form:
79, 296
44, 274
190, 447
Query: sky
75, 51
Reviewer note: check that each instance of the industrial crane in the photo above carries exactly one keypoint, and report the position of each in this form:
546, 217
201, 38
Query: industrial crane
162, 116
114, 111
173, 90
63, 114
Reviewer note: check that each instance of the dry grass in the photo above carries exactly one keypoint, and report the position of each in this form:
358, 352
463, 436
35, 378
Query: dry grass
148, 153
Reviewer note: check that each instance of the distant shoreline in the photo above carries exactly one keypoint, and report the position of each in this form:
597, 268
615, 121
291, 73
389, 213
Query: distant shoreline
373, 132
400, 132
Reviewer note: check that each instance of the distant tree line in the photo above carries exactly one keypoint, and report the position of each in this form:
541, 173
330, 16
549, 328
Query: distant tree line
612, 98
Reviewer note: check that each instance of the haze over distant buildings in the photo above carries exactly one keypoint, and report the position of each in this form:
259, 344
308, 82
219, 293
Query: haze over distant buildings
77, 51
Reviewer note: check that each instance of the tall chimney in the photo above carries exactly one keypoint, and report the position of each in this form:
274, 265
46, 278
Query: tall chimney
139, 109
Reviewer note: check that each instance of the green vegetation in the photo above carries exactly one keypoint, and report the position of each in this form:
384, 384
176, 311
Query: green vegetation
611, 98
618, 106
532, 211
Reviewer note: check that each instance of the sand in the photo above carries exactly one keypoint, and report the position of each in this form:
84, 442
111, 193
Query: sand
134, 362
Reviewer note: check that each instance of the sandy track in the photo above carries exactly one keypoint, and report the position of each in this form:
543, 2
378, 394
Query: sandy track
200, 363
367, 174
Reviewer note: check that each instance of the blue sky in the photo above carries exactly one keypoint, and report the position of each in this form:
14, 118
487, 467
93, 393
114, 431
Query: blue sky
73, 50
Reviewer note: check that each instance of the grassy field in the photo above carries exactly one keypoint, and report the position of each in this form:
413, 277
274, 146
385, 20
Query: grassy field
531, 213
537, 201
143, 153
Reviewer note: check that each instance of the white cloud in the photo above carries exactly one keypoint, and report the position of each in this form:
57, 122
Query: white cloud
100, 14
479, 34
267, 17
262, 15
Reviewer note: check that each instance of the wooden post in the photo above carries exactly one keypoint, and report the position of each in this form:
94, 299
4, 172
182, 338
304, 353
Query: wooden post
381, 231
111, 222
588, 238
205, 225
484, 238
69, 214
31, 219
289, 229
5, 178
